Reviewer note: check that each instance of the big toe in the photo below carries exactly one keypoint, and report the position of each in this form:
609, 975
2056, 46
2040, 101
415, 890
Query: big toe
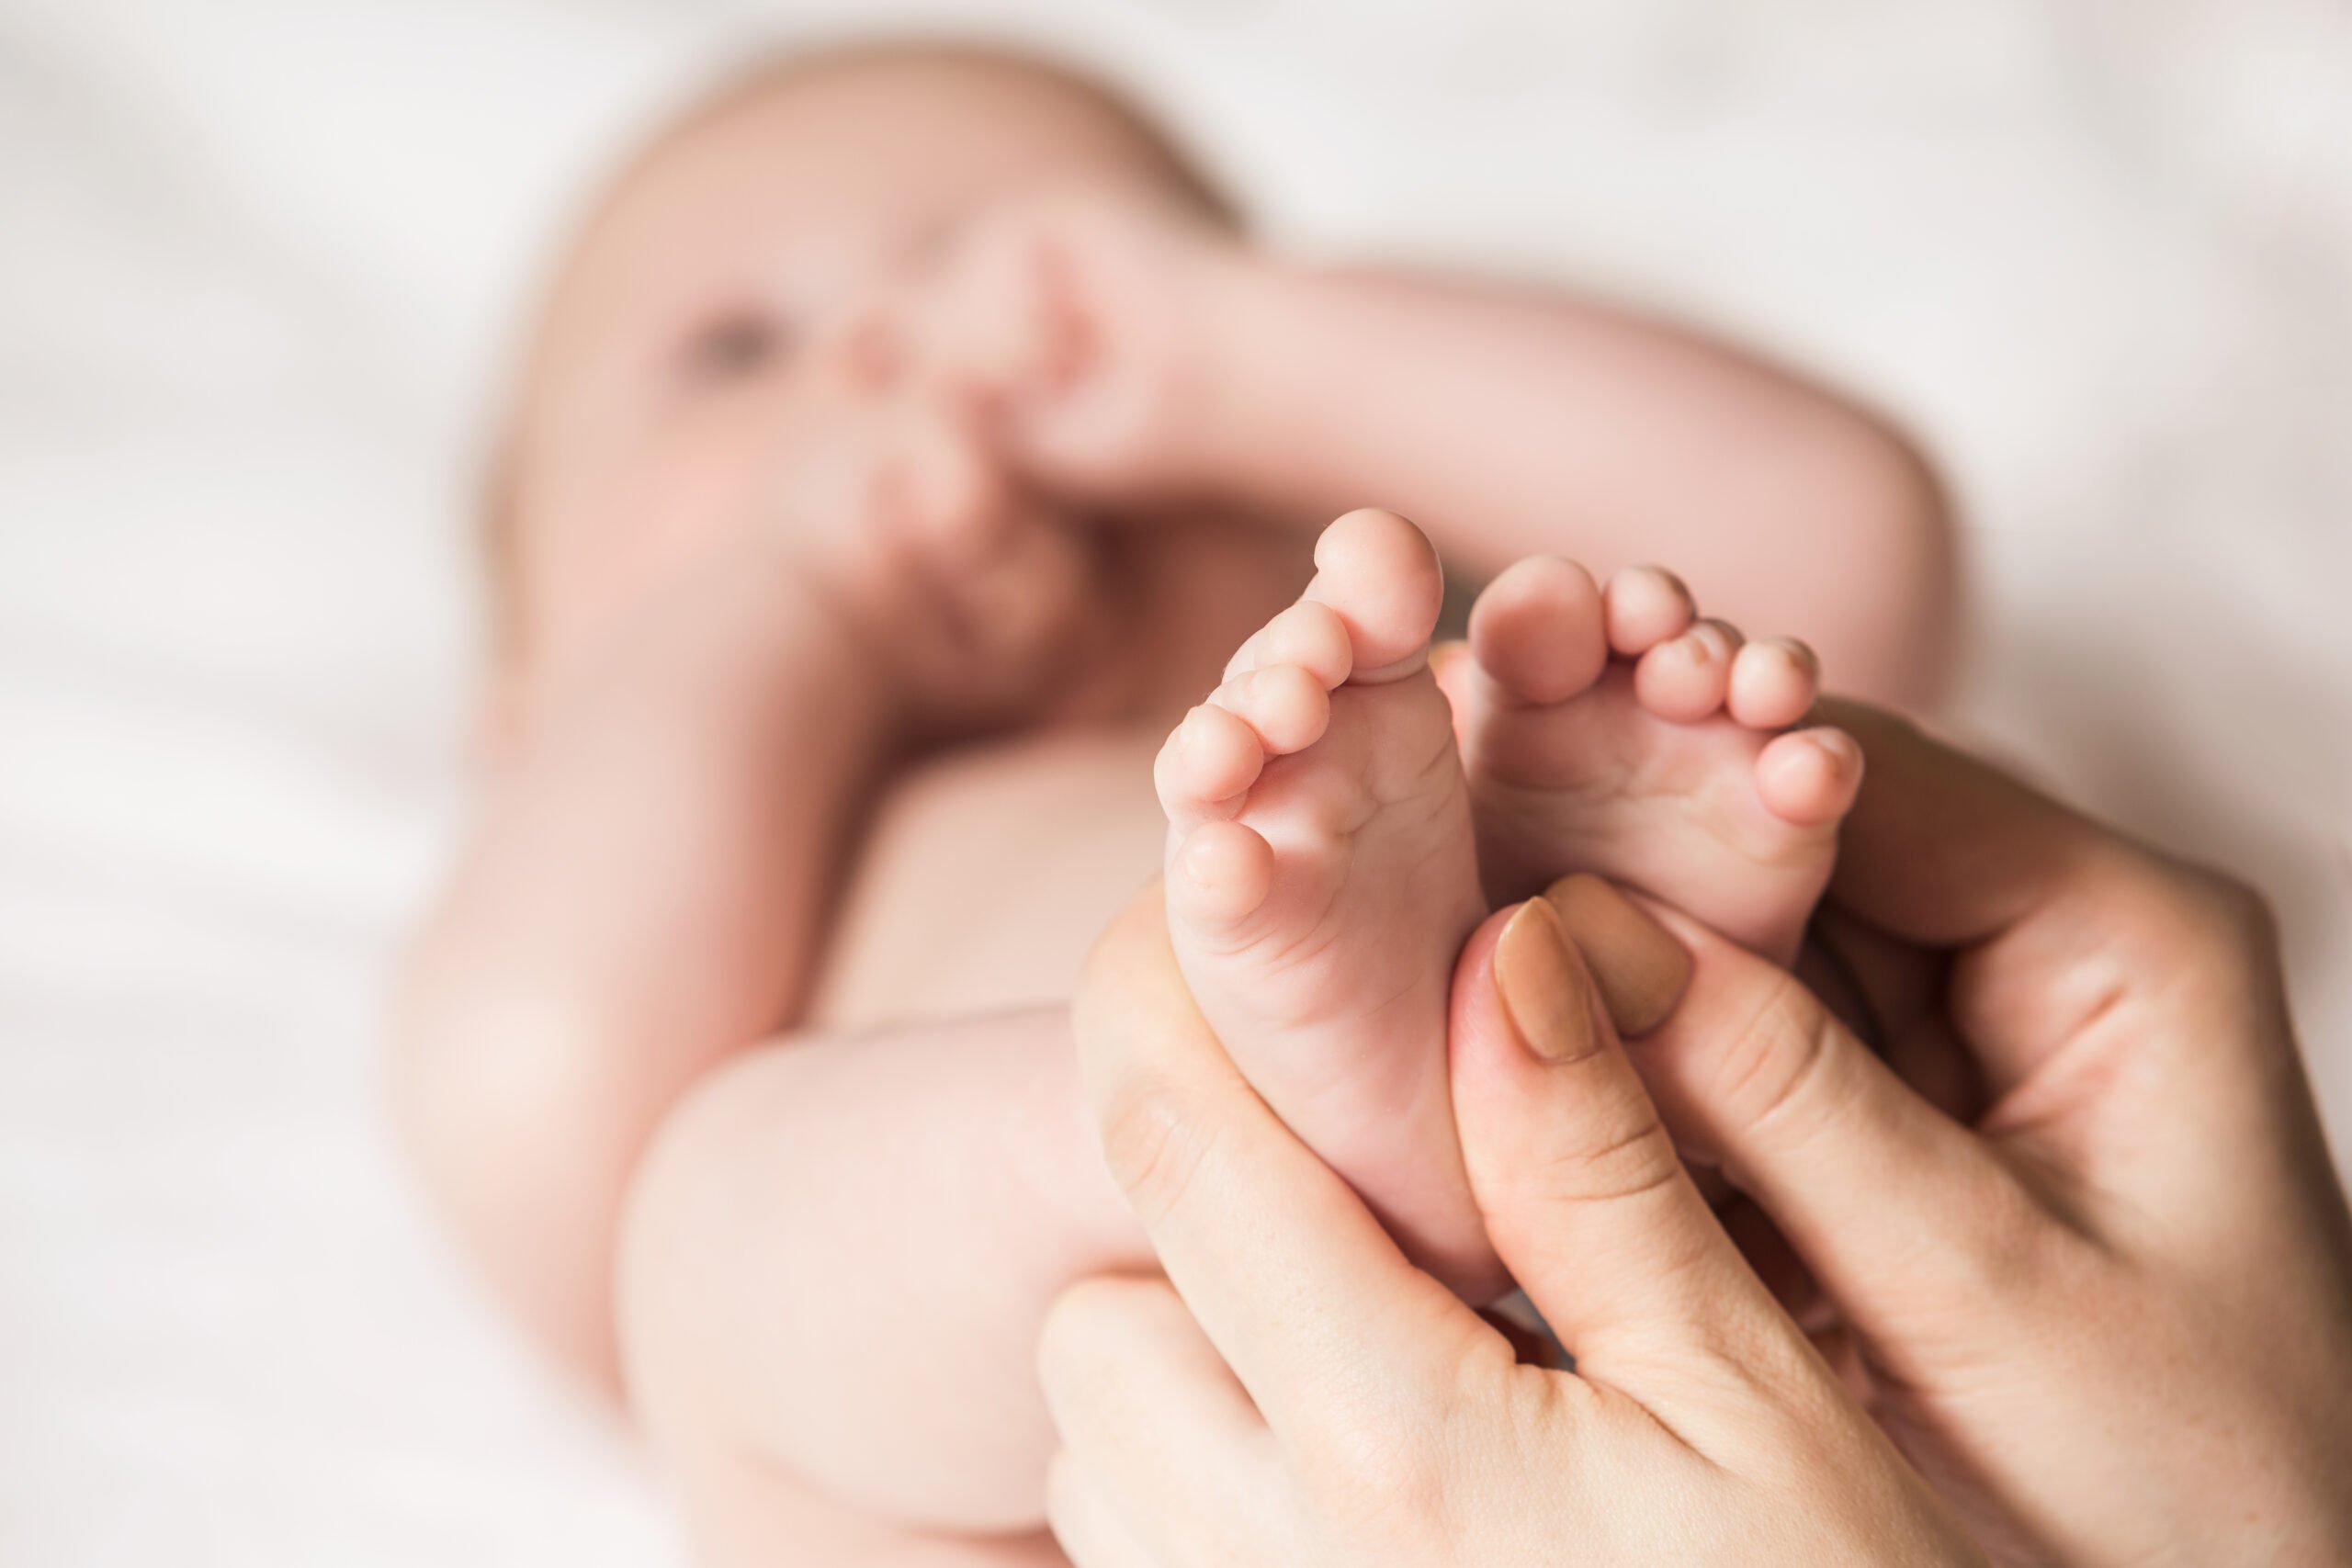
1382, 576
1537, 630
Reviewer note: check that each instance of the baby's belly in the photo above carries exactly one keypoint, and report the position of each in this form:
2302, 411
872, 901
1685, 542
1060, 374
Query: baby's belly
986, 876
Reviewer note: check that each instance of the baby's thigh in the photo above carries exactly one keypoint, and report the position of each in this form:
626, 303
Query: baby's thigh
839, 1253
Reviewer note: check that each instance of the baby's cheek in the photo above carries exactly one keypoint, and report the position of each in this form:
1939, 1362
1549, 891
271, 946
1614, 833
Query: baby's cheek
601, 550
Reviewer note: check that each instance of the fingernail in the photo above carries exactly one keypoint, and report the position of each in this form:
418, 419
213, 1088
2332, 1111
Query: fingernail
1543, 986
1636, 965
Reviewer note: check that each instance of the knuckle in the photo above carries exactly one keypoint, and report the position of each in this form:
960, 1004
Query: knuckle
2197, 938
2185, 907
1364, 1470
1775, 1065
1629, 1157
1154, 1149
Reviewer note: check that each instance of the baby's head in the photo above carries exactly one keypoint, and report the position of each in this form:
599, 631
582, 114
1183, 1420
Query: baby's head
652, 416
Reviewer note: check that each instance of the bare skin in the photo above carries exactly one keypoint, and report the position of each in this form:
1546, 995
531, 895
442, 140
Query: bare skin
1322, 874
754, 585
1130, 357
1615, 732
1323, 865
2106, 1310
1348, 865
830, 587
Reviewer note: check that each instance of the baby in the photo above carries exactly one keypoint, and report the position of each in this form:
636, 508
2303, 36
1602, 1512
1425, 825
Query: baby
910, 437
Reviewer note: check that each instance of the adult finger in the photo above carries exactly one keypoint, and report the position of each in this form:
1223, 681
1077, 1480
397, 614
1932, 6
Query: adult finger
1155, 1419
1775, 1261
1884, 1198
1583, 1192
2058, 918
1086, 1524
1290, 1276
1897, 998
1943, 849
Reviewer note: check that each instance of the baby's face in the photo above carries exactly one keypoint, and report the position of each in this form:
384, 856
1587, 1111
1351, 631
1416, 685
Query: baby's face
659, 405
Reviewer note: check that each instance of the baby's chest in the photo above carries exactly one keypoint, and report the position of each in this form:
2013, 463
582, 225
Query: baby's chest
986, 876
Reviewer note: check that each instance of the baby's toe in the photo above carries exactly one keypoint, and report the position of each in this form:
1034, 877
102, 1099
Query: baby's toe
1219, 875
1381, 576
1287, 706
1810, 777
1209, 760
1221, 746
1644, 606
1308, 635
1537, 630
1773, 683
1686, 678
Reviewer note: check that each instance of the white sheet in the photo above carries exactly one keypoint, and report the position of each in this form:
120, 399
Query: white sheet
254, 264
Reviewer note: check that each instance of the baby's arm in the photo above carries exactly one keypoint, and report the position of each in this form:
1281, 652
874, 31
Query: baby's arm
643, 896
1157, 360
1511, 421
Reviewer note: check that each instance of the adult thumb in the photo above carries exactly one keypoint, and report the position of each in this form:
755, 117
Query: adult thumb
1582, 1192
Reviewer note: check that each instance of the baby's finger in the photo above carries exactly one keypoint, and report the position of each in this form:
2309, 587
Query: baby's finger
990, 324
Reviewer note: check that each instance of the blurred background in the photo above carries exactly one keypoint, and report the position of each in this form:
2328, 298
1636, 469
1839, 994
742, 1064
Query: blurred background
260, 263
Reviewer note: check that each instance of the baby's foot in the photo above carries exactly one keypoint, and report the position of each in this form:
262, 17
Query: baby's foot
1617, 734
1322, 877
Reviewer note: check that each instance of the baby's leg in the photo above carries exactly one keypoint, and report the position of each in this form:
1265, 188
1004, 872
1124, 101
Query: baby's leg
836, 1261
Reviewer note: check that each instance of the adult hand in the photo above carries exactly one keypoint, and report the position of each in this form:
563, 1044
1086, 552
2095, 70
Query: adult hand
1335, 1405
2108, 1308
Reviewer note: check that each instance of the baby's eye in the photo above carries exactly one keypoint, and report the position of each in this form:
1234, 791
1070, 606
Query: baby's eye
734, 346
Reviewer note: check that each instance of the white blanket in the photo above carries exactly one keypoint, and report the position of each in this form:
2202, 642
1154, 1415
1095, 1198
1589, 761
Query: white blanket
257, 261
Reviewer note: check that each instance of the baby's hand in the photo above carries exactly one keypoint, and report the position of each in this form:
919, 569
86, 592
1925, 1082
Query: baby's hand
1080, 327
962, 591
